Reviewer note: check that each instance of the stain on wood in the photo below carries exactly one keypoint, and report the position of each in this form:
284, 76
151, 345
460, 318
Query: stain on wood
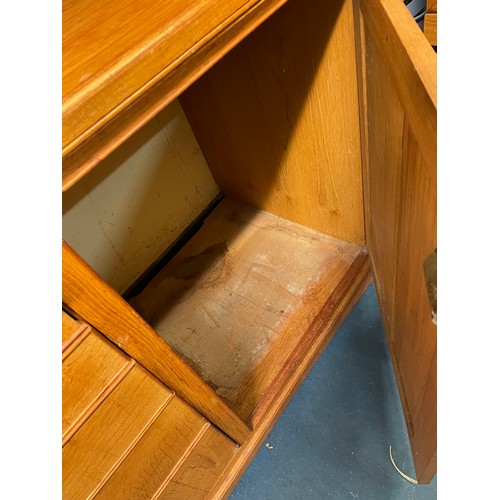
237, 299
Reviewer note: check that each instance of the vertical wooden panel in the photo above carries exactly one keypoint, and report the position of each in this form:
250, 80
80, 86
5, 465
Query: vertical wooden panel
412, 65
95, 451
398, 68
414, 337
430, 27
385, 118
426, 423
277, 119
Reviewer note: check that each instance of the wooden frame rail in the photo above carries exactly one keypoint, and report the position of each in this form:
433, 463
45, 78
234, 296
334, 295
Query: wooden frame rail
118, 121
102, 307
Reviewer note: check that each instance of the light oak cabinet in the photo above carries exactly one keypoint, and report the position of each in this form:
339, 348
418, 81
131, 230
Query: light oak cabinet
318, 122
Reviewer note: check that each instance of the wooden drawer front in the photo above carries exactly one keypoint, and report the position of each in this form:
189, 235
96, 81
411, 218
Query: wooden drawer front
196, 476
71, 330
157, 455
181, 456
102, 443
89, 372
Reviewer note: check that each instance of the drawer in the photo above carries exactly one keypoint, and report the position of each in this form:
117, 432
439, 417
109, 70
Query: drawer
90, 371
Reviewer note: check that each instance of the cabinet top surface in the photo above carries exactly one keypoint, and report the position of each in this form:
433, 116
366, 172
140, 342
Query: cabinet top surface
115, 50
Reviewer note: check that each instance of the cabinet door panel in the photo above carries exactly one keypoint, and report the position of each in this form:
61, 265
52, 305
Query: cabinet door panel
397, 88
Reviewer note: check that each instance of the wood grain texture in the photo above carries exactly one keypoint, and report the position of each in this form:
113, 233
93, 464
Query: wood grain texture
83, 332
413, 67
399, 168
432, 5
245, 453
103, 308
430, 27
277, 119
328, 311
106, 59
117, 116
414, 336
158, 454
243, 295
382, 176
200, 469
89, 373
69, 327
426, 423
99, 447
72, 329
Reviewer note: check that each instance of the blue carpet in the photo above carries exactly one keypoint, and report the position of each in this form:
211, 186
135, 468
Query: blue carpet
332, 441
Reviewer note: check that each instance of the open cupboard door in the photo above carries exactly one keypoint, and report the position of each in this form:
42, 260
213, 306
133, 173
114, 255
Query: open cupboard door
397, 89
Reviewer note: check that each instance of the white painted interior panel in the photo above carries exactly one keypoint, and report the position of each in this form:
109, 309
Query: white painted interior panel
126, 212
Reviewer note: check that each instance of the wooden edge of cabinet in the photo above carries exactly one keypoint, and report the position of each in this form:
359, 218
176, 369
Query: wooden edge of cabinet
245, 453
88, 149
102, 307
321, 323
430, 28
413, 66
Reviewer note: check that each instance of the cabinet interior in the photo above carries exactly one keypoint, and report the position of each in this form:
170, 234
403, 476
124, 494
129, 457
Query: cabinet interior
240, 301
234, 219
279, 259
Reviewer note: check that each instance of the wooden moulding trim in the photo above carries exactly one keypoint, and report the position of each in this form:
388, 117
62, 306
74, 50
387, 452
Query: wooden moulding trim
105, 392
75, 340
245, 453
102, 307
359, 39
412, 64
320, 322
88, 95
83, 154
132, 445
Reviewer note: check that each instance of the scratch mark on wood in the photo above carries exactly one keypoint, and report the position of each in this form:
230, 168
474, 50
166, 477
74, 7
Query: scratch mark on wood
216, 323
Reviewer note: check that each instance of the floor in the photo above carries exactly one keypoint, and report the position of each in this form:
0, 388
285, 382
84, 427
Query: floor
333, 439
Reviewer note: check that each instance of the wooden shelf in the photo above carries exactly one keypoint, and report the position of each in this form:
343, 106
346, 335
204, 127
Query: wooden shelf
245, 298
123, 61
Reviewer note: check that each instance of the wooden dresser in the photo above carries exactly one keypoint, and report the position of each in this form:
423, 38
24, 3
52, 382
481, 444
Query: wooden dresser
318, 123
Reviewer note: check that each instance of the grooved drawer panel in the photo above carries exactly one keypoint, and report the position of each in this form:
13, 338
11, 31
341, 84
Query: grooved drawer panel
97, 449
88, 373
157, 454
201, 469
70, 328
